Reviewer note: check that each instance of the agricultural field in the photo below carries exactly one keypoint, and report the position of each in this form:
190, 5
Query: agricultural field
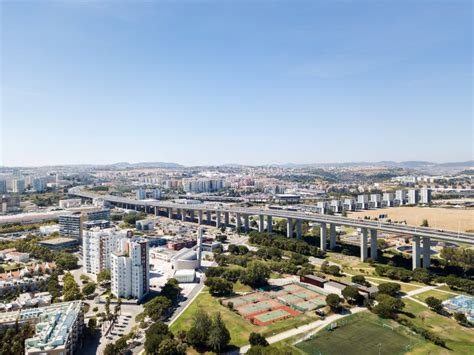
363, 333
440, 218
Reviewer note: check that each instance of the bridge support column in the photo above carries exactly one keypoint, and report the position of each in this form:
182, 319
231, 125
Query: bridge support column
226, 219
246, 223
238, 222
373, 244
426, 252
199, 217
332, 236
261, 223
209, 217
415, 252
269, 224
323, 236
363, 245
289, 228
191, 215
299, 229
170, 213
157, 211
218, 219
183, 215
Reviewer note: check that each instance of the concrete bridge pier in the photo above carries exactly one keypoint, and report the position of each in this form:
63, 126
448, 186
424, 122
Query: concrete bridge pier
289, 228
238, 222
218, 219
209, 217
332, 236
363, 245
299, 229
199, 217
373, 244
183, 215
415, 252
246, 223
226, 219
323, 236
269, 224
426, 252
170, 213
191, 215
261, 223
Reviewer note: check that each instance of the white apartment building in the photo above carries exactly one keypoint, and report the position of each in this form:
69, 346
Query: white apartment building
400, 197
130, 273
413, 197
425, 196
97, 247
18, 186
202, 185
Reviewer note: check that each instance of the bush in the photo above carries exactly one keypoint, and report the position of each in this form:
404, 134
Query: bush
333, 301
434, 304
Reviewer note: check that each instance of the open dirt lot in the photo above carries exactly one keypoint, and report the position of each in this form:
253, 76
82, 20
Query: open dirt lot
440, 218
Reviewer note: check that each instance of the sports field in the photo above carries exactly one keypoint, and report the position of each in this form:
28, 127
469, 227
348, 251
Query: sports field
362, 333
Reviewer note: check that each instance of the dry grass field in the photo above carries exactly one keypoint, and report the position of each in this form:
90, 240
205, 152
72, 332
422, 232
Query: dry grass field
441, 218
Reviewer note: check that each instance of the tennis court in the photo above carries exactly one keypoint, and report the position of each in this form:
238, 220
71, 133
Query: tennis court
252, 308
274, 316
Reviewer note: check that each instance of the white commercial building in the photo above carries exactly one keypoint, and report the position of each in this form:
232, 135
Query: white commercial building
70, 202
130, 272
202, 185
97, 247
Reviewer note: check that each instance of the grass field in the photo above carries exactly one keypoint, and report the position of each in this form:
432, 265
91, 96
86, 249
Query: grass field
433, 293
439, 218
239, 327
459, 340
364, 334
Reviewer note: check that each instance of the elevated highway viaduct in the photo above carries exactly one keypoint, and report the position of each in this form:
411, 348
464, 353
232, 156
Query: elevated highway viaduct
221, 216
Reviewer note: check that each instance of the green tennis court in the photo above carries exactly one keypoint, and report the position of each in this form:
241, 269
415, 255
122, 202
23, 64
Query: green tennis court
272, 315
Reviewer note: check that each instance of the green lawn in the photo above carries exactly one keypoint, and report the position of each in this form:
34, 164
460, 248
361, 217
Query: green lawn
239, 327
433, 293
363, 333
459, 340
240, 287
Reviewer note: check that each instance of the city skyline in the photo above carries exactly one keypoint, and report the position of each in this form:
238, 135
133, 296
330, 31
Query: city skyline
235, 83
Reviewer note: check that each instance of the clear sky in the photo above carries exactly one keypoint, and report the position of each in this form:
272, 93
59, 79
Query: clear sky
251, 82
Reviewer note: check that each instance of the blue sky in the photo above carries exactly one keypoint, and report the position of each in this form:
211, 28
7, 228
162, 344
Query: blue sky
252, 82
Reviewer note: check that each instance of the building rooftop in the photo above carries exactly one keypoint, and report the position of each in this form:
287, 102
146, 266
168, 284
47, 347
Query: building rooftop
57, 241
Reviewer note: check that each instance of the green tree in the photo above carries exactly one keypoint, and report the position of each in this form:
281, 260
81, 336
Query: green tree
219, 335
89, 288
71, 289
171, 346
360, 280
333, 301
53, 286
154, 336
219, 286
389, 288
200, 327
434, 304
256, 273
257, 339
351, 294
157, 307
425, 223
171, 290
461, 318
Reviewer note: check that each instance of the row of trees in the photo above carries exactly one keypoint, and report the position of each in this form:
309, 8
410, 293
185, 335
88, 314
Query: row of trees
282, 243
12, 340
158, 307
255, 274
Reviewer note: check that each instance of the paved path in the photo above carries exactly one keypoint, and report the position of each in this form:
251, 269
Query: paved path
314, 326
